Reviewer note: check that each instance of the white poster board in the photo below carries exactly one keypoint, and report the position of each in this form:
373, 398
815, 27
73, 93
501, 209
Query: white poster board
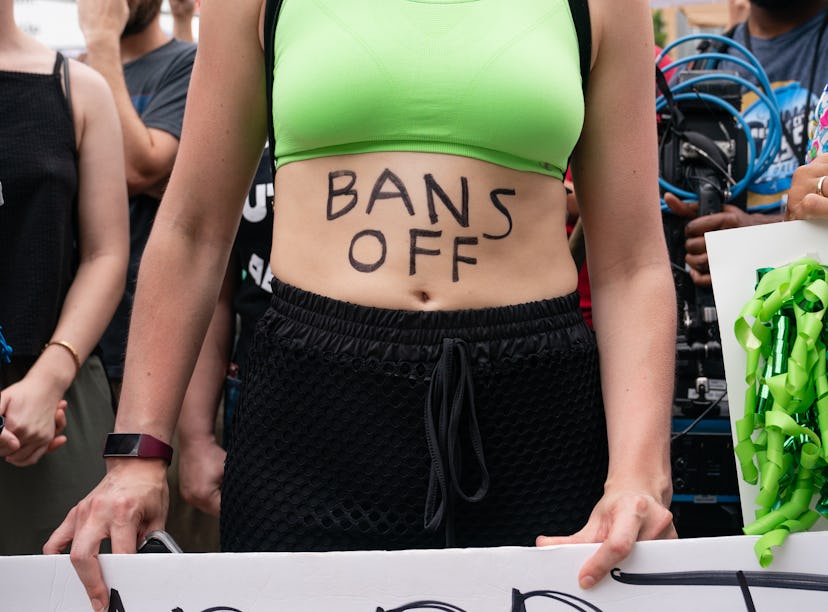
711, 574
735, 255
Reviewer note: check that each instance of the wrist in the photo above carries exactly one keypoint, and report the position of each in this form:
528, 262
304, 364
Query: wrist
194, 442
54, 369
658, 485
102, 44
137, 446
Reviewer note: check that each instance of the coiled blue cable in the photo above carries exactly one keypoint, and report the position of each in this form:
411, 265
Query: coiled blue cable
756, 165
5, 348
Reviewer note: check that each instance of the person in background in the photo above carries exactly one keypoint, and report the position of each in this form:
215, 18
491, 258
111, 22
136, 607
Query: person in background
148, 74
222, 362
64, 235
183, 12
422, 277
808, 197
788, 38
737, 12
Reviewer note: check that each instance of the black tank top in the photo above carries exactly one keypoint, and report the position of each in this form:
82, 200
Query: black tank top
38, 205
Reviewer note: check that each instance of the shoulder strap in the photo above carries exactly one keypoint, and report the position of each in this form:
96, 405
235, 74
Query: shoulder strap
271, 17
583, 28
62, 62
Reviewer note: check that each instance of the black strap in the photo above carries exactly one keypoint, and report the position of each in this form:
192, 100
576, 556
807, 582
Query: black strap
272, 8
583, 28
450, 405
66, 88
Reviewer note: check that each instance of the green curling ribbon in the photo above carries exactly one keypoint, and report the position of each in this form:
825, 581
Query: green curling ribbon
782, 438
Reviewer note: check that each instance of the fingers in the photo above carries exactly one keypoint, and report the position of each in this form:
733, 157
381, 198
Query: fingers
615, 547
84, 558
9, 443
617, 525
811, 206
56, 444
28, 454
680, 207
700, 279
62, 536
124, 538
60, 417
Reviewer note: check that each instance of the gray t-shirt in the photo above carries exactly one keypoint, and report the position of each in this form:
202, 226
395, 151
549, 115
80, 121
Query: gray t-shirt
788, 60
157, 83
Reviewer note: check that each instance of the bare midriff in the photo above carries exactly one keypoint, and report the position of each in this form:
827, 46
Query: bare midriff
395, 230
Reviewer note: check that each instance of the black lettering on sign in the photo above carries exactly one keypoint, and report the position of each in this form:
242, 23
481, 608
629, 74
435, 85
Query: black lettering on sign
334, 192
433, 188
401, 191
415, 250
368, 267
502, 208
457, 258
115, 603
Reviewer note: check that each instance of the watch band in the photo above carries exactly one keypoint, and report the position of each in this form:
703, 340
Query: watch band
141, 446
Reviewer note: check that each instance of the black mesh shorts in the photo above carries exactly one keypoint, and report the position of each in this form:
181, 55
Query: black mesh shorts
371, 429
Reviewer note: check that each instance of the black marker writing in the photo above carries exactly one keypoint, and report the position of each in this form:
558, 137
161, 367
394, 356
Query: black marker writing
416, 250
433, 188
502, 208
343, 197
116, 604
364, 267
401, 192
457, 258
334, 192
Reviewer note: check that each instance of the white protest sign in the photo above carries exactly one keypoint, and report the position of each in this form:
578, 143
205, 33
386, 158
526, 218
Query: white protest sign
734, 256
711, 574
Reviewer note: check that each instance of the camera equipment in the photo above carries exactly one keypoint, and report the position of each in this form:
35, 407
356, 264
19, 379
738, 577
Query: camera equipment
702, 145
5, 350
708, 155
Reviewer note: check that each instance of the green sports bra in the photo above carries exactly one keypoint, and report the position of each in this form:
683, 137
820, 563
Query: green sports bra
494, 80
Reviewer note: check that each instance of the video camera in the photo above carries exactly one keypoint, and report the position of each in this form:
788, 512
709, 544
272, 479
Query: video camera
702, 146
703, 150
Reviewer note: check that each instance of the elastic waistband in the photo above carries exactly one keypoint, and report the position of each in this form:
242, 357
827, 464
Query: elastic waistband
425, 327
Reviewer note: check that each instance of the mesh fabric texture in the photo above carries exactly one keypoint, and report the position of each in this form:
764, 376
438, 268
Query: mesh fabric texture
330, 449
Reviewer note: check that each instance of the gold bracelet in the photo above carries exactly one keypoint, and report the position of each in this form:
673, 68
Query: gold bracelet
69, 348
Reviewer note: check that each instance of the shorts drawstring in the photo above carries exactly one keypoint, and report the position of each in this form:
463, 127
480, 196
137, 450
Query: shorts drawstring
450, 401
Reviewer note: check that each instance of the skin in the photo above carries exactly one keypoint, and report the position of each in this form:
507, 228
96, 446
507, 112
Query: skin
615, 171
803, 200
149, 152
738, 11
33, 407
201, 457
183, 12
765, 20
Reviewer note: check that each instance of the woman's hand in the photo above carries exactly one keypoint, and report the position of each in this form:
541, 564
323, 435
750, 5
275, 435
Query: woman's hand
35, 418
805, 199
200, 474
618, 520
128, 503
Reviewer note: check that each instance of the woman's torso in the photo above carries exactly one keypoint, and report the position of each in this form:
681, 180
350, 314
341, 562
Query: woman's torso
38, 178
423, 166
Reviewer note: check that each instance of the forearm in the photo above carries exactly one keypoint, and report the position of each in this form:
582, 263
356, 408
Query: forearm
167, 327
196, 425
104, 55
183, 28
635, 321
87, 310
